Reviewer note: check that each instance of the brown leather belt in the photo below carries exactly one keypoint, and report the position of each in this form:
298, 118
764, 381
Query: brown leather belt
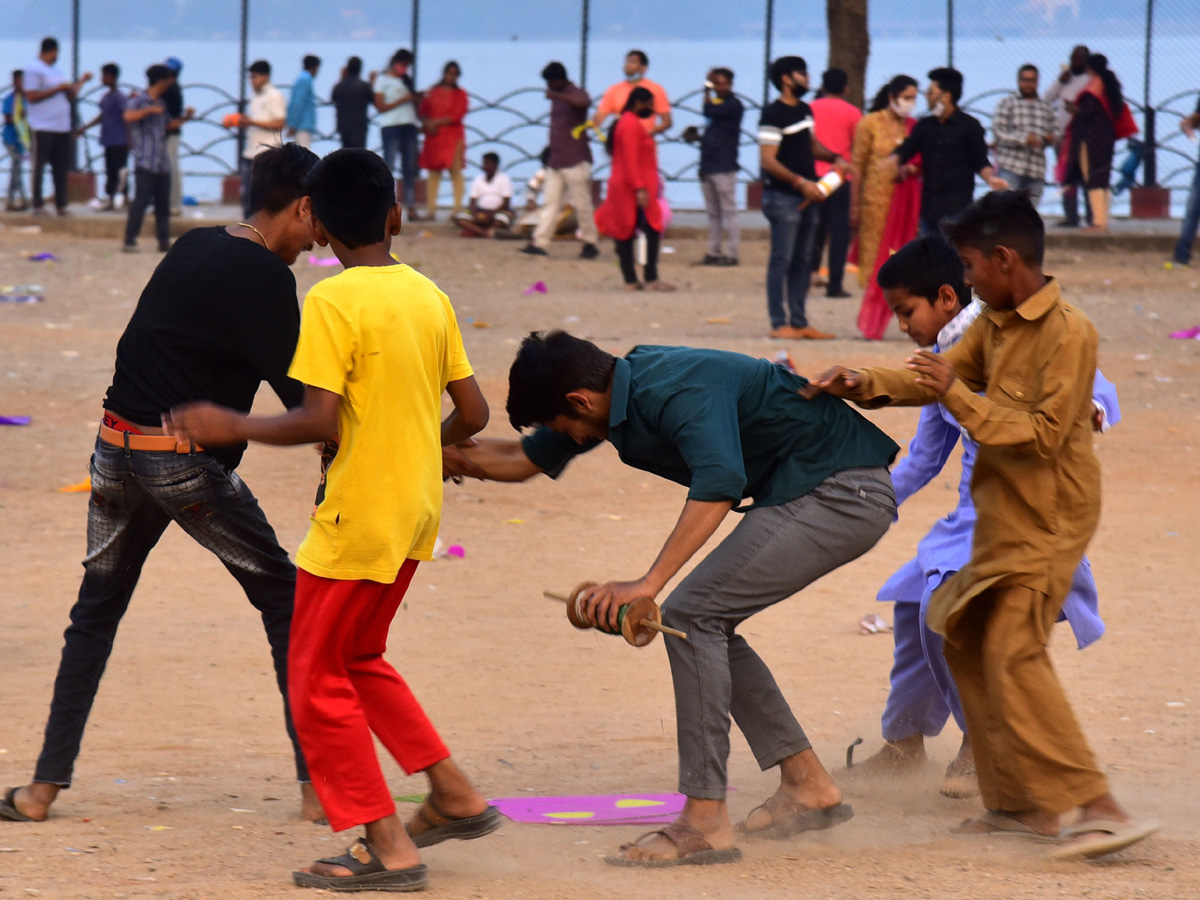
158, 442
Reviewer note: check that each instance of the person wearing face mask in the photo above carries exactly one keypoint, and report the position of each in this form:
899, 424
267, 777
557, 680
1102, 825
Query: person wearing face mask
631, 201
883, 205
1022, 129
1062, 96
614, 99
787, 152
953, 148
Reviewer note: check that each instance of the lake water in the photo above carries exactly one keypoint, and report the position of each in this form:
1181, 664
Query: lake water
516, 128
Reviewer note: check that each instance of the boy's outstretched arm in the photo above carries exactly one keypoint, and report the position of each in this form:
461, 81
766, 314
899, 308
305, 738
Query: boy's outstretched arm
209, 425
489, 459
470, 414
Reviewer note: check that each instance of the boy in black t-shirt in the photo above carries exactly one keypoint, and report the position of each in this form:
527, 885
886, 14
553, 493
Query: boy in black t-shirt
786, 150
218, 317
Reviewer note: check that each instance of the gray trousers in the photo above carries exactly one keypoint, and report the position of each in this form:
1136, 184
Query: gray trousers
771, 554
720, 202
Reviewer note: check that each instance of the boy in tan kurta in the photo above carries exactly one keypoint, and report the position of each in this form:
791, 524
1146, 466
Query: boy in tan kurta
1020, 383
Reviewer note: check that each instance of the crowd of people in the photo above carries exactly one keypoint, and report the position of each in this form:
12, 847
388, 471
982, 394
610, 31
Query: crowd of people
1012, 375
896, 174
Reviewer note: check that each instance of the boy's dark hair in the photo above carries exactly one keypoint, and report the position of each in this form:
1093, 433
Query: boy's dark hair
834, 82
949, 80
311, 62
1028, 67
354, 66
786, 65
277, 177
452, 64
642, 58
49, 44
111, 69
1000, 219
352, 193
260, 67
549, 365
402, 56
922, 266
723, 72
493, 157
18, 74
554, 71
158, 73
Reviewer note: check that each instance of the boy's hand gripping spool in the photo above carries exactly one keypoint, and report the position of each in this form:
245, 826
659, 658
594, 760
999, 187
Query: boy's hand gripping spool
639, 621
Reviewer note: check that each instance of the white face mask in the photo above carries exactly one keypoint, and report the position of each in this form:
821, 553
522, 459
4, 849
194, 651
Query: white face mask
903, 108
938, 108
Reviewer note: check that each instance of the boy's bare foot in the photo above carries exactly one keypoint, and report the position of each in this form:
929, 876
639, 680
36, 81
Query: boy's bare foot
659, 286
32, 801
708, 817
894, 757
960, 781
310, 804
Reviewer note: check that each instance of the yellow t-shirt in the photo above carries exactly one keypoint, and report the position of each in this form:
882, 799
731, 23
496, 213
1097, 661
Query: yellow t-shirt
385, 340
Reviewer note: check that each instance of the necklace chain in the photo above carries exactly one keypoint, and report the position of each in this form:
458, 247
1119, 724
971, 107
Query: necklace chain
256, 231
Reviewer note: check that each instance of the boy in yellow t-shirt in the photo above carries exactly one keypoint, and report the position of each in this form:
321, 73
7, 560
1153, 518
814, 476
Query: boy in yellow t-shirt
379, 344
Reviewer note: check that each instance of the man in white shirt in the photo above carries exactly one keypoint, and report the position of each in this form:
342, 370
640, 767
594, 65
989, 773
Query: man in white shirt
396, 100
1061, 95
263, 121
49, 97
491, 201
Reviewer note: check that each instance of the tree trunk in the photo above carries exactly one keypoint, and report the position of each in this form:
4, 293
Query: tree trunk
849, 43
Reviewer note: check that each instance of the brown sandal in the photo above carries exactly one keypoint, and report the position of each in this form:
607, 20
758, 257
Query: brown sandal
803, 818
693, 848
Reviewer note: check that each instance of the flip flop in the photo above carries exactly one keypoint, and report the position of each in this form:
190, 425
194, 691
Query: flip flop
1002, 825
447, 828
8, 808
804, 819
1108, 837
693, 849
368, 873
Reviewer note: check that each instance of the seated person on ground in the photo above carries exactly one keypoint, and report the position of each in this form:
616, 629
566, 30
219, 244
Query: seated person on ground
490, 205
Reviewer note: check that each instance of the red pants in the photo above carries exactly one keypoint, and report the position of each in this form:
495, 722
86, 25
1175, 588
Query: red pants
341, 689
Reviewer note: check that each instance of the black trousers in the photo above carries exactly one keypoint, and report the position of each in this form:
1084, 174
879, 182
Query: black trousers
53, 147
625, 252
833, 224
115, 160
150, 187
135, 496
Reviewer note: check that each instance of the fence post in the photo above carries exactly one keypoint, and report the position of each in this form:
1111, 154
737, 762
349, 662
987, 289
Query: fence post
245, 37
950, 33
583, 45
1150, 173
416, 32
770, 27
74, 78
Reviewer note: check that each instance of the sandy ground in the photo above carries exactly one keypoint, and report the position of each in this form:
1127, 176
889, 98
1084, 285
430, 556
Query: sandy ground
183, 788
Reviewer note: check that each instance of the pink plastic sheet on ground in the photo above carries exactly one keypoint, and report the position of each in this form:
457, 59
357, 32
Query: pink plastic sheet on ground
602, 809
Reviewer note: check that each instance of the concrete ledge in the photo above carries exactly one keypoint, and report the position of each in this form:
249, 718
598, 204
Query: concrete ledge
1127, 235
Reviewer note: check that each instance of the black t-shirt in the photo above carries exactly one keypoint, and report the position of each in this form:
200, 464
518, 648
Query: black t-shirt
351, 96
951, 153
172, 99
218, 317
790, 128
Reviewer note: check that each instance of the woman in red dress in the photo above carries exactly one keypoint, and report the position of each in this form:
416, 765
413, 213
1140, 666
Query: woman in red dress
442, 113
631, 201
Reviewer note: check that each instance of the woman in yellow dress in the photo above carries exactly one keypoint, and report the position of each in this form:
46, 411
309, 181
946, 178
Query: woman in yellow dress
878, 135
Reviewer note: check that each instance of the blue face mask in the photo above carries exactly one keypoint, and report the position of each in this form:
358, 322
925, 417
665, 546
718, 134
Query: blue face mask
634, 78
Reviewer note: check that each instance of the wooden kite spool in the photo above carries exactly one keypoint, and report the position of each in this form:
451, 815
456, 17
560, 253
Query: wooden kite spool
639, 621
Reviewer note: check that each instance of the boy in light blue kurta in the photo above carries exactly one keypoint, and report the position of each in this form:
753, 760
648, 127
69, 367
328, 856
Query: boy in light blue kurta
923, 283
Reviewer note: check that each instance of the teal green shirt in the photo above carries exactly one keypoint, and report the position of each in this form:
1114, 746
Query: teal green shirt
727, 426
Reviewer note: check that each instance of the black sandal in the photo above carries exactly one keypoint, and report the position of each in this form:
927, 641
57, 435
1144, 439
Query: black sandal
446, 828
8, 808
367, 873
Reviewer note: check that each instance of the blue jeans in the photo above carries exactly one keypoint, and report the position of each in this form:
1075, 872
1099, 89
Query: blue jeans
136, 494
789, 270
402, 141
1191, 222
1030, 187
